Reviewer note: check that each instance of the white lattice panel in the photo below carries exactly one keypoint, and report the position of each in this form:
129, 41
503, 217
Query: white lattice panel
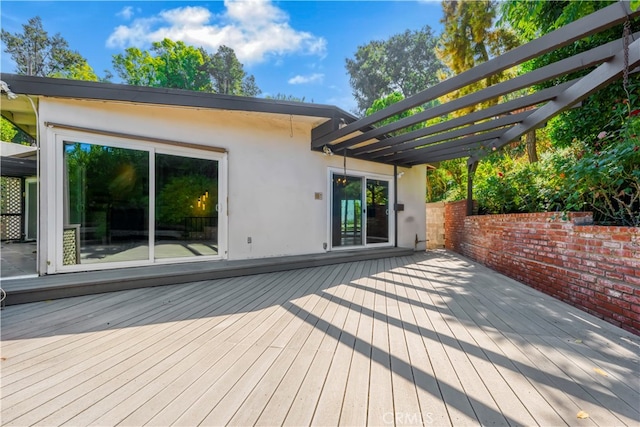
11, 195
10, 227
69, 247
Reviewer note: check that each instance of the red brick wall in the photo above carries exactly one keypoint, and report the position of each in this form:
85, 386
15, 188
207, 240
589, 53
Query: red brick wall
594, 268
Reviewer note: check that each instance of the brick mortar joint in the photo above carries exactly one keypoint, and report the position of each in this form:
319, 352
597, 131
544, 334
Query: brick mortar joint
544, 264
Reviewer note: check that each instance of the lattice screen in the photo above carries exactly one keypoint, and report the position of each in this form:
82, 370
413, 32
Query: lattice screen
11, 208
70, 246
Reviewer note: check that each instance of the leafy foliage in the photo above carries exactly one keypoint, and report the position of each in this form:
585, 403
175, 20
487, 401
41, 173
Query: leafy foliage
172, 65
79, 71
227, 74
386, 101
10, 133
532, 19
591, 156
38, 54
405, 63
605, 175
600, 175
469, 38
178, 65
7, 130
179, 197
511, 184
448, 181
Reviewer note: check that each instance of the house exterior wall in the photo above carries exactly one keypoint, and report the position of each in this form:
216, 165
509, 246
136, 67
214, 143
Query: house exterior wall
272, 173
595, 268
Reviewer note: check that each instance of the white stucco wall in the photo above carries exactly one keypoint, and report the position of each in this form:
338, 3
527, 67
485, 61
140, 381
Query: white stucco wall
272, 173
412, 221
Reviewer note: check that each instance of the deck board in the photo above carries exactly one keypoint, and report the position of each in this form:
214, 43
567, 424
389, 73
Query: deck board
428, 339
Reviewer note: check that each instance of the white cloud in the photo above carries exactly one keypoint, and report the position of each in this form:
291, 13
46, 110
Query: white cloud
126, 13
254, 29
313, 78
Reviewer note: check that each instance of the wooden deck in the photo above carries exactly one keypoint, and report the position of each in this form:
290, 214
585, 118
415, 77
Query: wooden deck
429, 339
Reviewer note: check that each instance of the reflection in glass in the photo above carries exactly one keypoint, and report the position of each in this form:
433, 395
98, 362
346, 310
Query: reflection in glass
186, 207
346, 211
107, 194
377, 211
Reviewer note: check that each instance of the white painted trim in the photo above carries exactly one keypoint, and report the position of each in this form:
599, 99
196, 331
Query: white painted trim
50, 182
152, 206
27, 192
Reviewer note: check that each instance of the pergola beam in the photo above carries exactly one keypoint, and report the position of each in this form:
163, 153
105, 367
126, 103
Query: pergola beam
574, 63
587, 85
461, 145
591, 24
449, 138
454, 149
389, 145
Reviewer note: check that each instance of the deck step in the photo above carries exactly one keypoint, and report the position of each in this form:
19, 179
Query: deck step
43, 288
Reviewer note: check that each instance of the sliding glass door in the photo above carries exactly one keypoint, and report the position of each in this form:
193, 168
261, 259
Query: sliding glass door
359, 210
346, 211
135, 205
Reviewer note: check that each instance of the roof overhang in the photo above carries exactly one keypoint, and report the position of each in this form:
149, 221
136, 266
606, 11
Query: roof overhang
21, 112
17, 167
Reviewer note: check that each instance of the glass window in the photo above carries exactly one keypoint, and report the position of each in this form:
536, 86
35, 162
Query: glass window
106, 204
377, 211
186, 207
346, 211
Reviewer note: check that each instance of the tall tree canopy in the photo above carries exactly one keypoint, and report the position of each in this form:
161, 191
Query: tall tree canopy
405, 63
178, 65
38, 54
470, 38
228, 75
169, 64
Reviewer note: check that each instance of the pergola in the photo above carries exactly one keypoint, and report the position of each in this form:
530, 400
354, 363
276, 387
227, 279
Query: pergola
485, 130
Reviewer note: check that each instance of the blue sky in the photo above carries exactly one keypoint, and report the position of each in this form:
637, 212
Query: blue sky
291, 47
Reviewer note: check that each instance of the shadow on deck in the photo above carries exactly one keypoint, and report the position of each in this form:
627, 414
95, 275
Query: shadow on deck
427, 339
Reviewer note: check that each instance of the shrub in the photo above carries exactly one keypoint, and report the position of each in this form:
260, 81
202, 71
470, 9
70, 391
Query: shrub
605, 176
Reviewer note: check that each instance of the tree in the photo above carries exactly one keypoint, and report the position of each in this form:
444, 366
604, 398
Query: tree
10, 133
178, 65
38, 54
7, 130
228, 75
173, 65
386, 101
79, 71
250, 87
469, 38
405, 63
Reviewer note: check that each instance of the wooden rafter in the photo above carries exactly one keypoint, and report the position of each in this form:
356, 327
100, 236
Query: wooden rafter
464, 136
